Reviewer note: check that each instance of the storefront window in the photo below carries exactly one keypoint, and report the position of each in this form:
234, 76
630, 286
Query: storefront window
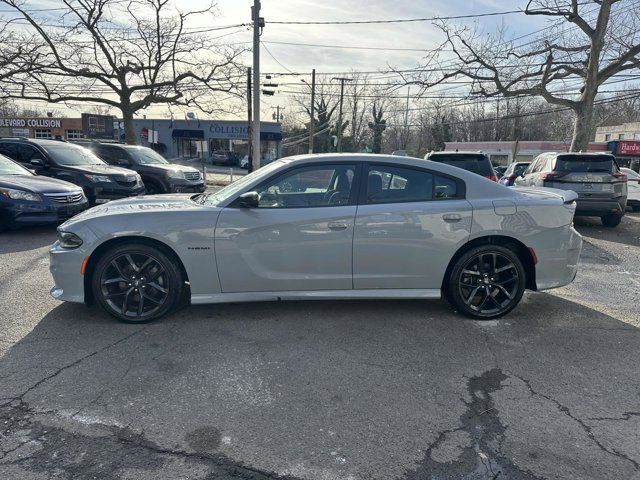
74, 134
42, 133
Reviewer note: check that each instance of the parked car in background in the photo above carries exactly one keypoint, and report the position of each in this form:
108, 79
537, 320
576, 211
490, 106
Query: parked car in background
476, 162
633, 188
28, 199
499, 171
73, 163
512, 172
224, 157
599, 183
158, 175
357, 226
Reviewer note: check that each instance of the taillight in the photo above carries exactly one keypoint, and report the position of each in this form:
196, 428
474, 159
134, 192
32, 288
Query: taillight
620, 175
552, 175
491, 177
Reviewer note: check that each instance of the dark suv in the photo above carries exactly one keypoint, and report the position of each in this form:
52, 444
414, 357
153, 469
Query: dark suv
595, 177
158, 175
75, 164
476, 162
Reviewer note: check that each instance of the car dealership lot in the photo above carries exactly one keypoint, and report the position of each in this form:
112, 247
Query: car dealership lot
382, 389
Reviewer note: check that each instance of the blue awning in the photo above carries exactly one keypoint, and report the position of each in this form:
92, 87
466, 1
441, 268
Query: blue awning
184, 133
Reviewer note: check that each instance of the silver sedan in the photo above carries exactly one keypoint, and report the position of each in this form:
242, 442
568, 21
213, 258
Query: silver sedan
322, 227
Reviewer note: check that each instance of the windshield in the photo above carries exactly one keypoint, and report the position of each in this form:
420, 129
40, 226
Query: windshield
520, 168
237, 186
65, 154
584, 163
473, 163
146, 156
8, 167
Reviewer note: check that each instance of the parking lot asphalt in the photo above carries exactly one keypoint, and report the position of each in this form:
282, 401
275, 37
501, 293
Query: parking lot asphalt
325, 390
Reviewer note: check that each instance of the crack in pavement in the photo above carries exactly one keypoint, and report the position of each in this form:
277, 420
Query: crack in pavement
586, 428
481, 423
71, 365
106, 456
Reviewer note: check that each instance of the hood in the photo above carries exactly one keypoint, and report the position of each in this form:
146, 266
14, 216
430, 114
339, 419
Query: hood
103, 170
37, 184
542, 193
144, 205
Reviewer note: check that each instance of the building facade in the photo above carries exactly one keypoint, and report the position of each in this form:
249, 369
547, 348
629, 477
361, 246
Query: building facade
626, 131
42, 127
193, 138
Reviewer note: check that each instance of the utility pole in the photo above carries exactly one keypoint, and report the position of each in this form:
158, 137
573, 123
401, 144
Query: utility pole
406, 122
313, 109
255, 131
249, 120
342, 80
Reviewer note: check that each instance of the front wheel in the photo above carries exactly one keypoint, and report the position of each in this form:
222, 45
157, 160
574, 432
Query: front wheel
486, 282
137, 283
612, 220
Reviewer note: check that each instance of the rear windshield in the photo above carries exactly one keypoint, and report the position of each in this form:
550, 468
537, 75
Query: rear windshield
477, 164
586, 163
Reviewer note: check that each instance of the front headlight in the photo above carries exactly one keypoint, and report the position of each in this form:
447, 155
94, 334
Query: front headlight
175, 174
68, 239
97, 178
21, 195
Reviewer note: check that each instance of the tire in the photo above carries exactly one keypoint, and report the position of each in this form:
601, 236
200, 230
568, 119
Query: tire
153, 188
494, 290
152, 291
611, 220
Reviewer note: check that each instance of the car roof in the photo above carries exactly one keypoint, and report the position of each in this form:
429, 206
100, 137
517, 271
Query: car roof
461, 153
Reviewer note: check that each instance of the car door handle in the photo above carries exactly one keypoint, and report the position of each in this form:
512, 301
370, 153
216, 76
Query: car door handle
337, 226
451, 217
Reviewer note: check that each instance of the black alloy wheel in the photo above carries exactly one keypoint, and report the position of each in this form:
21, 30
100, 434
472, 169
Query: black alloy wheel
487, 282
137, 283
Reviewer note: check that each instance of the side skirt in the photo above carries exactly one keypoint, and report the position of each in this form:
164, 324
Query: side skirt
379, 294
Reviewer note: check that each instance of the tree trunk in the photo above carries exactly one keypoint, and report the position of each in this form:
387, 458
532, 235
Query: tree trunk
129, 130
582, 128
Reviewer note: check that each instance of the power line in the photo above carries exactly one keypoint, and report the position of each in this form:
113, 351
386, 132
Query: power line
399, 20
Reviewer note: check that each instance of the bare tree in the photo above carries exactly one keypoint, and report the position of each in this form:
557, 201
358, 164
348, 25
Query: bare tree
126, 55
586, 44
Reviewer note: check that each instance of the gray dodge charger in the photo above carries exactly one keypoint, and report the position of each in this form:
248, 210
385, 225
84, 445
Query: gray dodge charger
322, 227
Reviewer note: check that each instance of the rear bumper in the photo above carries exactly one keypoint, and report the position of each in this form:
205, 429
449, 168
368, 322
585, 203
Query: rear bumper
557, 266
597, 207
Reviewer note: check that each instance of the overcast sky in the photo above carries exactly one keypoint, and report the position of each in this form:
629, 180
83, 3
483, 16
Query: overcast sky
420, 35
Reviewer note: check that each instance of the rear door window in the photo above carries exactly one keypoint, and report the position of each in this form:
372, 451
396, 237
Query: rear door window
9, 149
473, 163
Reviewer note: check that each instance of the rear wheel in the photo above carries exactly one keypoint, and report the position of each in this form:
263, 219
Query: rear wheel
612, 220
486, 282
137, 283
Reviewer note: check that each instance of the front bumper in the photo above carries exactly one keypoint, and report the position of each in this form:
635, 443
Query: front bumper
186, 186
65, 265
106, 192
16, 214
558, 263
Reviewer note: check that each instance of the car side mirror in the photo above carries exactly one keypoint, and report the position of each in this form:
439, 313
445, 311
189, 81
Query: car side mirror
123, 162
37, 162
249, 200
